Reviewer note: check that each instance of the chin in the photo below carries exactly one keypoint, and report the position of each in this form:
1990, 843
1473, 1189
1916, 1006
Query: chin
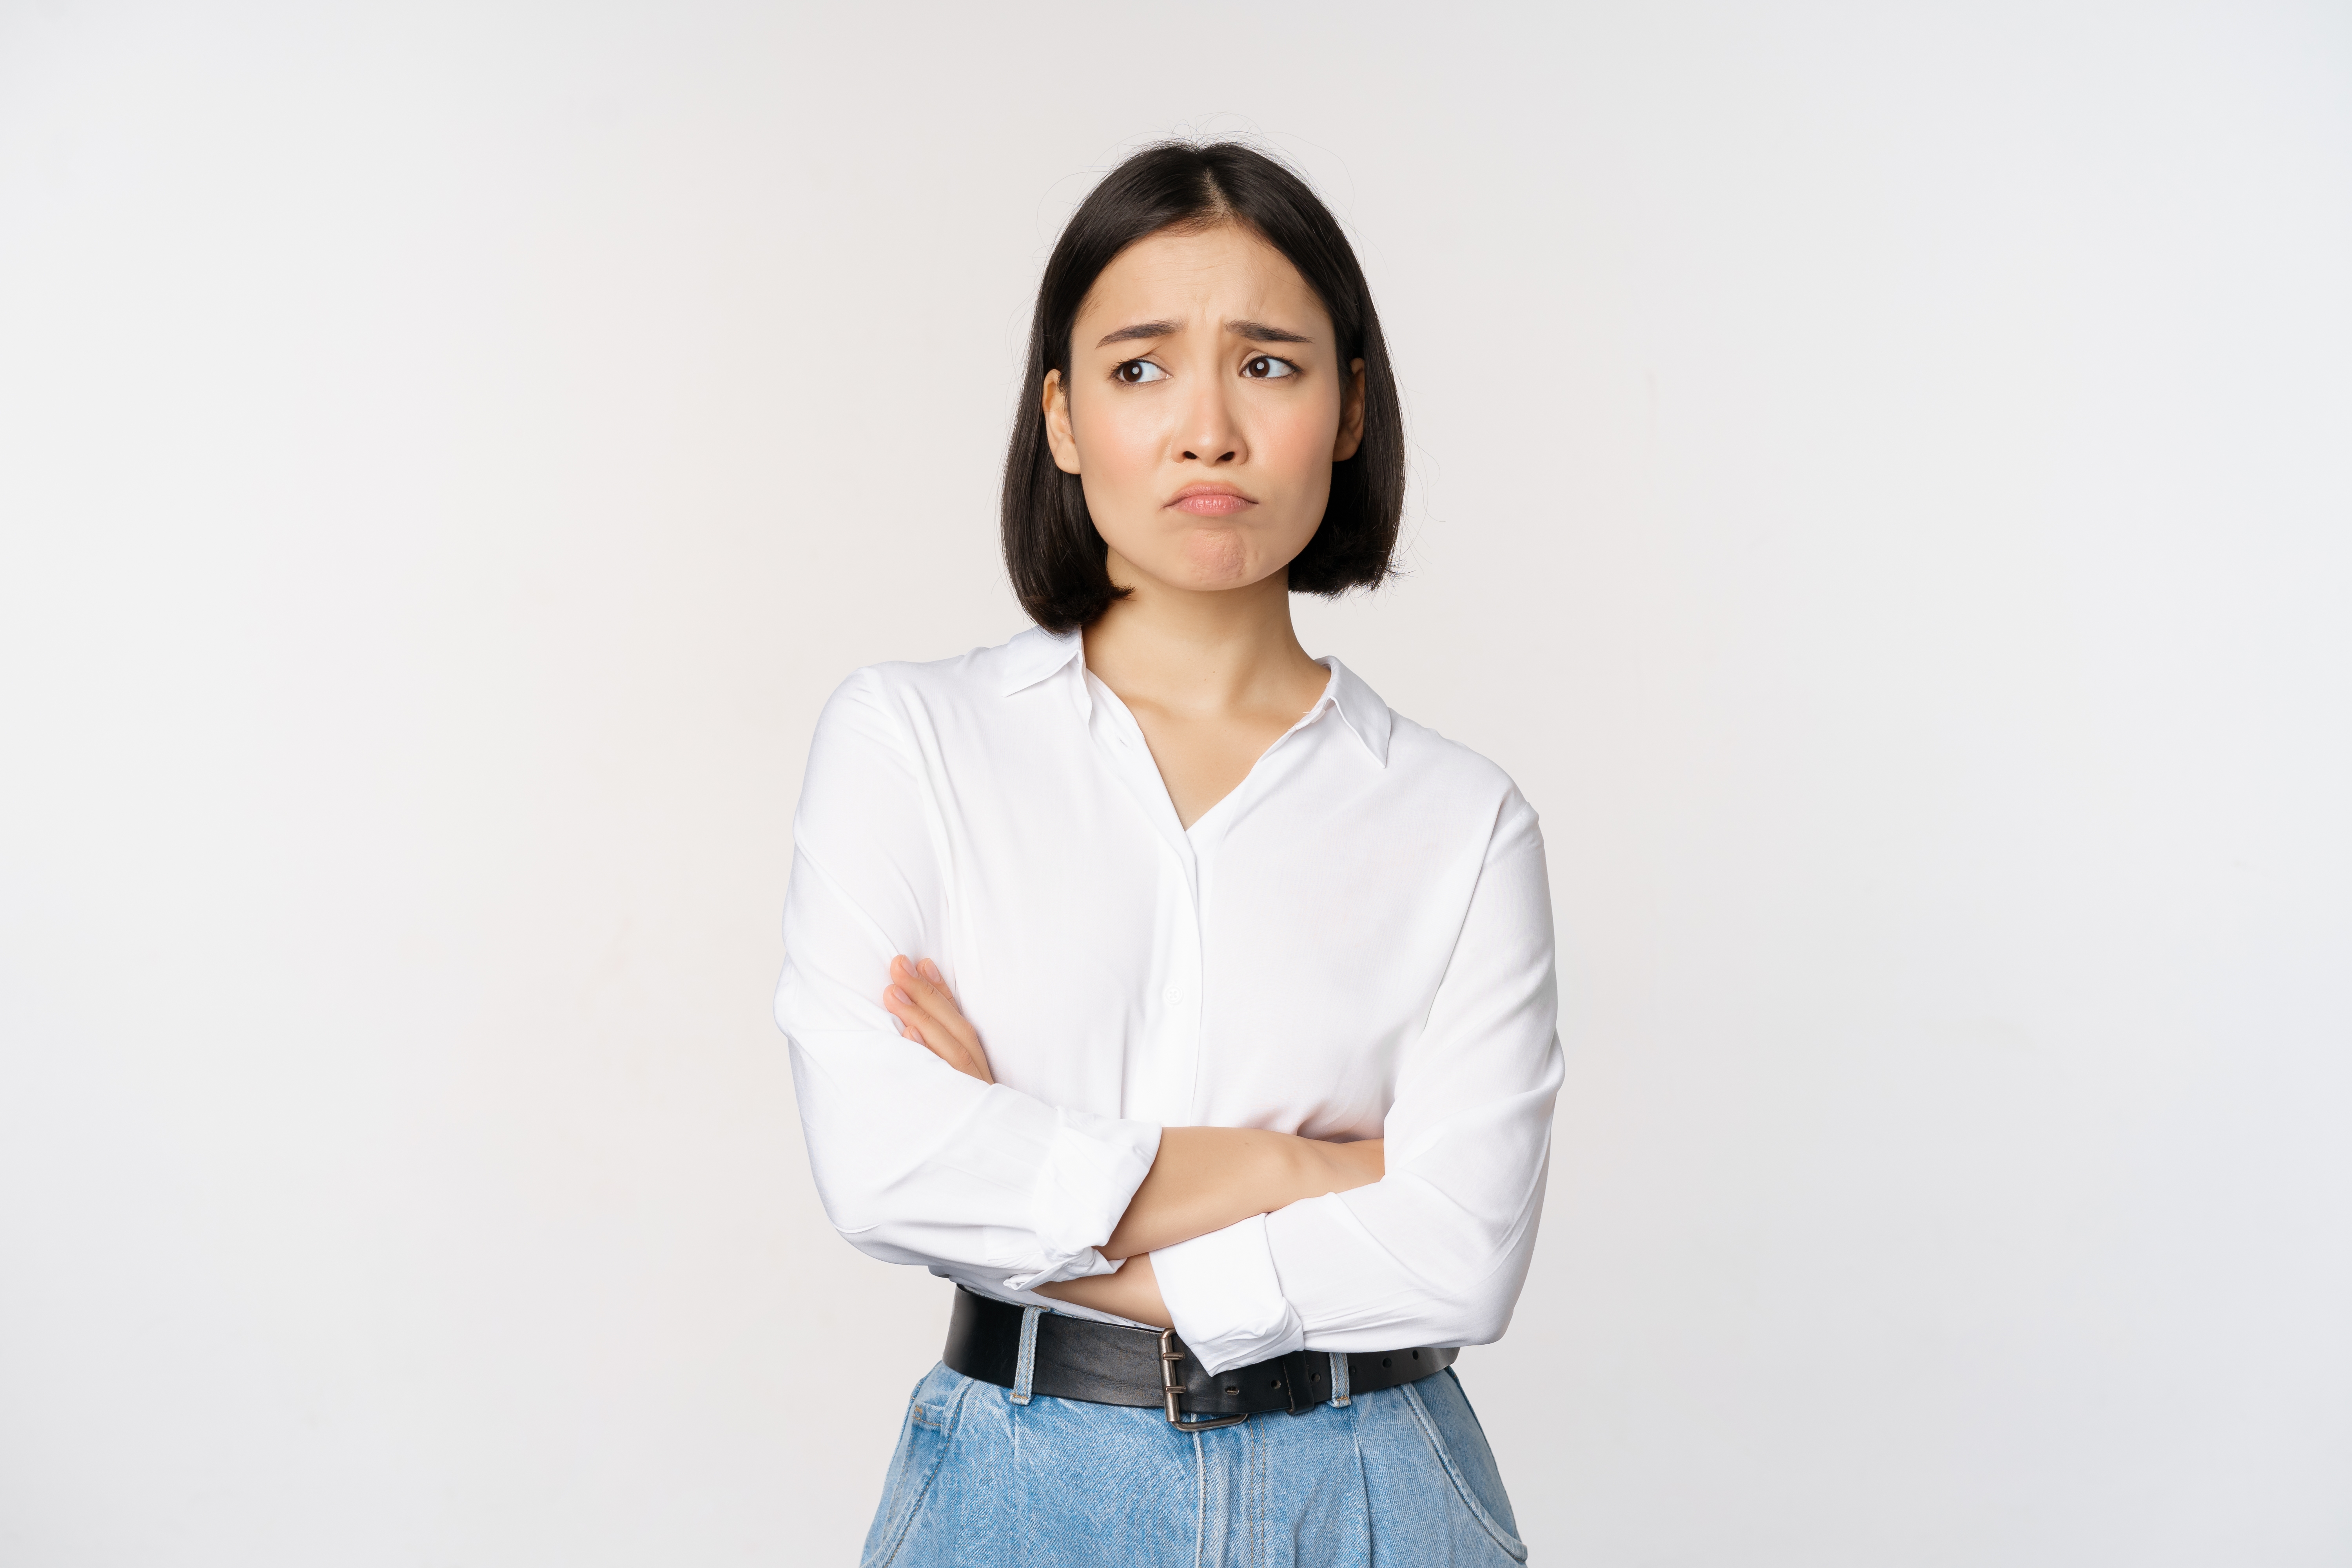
1193, 579
1211, 559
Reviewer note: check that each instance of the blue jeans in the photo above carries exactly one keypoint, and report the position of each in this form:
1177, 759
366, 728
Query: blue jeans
1403, 1478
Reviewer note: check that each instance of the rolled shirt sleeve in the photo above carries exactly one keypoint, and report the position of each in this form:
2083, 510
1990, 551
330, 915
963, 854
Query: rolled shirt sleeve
915, 1161
1434, 1253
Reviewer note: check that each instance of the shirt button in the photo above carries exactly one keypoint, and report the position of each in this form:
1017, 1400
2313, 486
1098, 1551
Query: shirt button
1177, 995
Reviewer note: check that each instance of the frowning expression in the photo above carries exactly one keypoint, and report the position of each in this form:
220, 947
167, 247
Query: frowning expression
1205, 405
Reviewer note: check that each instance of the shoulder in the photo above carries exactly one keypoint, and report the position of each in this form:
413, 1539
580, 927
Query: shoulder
1438, 774
1437, 768
885, 697
886, 729
1421, 750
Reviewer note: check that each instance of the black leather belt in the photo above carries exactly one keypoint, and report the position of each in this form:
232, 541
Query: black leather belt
1107, 1363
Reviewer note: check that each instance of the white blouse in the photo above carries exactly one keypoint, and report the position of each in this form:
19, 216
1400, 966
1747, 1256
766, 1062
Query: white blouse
1356, 943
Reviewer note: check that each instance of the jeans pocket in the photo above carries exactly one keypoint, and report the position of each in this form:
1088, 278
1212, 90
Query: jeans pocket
923, 1439
1444, 1413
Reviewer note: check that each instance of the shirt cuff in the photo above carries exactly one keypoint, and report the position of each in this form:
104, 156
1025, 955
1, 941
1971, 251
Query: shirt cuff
1088, 1177
1225, 1298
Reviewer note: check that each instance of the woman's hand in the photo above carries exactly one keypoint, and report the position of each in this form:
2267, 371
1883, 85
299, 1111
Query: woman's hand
918, 998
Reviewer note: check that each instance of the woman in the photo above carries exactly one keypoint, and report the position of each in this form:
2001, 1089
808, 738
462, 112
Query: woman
1155, 982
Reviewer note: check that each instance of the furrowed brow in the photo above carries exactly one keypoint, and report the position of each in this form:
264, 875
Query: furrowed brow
1259, 333
1136, 333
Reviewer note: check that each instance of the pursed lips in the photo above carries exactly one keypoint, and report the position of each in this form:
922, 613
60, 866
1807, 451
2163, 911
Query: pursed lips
1211, 500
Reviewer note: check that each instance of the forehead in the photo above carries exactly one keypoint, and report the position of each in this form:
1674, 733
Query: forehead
1210, 276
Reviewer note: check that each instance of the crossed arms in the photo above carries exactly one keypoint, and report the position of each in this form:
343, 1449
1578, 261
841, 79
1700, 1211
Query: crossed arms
1203, 1179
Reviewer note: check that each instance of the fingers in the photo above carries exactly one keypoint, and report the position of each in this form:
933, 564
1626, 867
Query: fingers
902, 1007
929, 988
918, 1001
912, 1016
918, 998
926, 989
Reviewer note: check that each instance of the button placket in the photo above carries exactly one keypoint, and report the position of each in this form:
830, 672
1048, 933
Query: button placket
1181, 995
1179, 1031
1168, 1071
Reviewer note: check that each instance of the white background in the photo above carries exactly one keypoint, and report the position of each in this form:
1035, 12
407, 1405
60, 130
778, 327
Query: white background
1882, 483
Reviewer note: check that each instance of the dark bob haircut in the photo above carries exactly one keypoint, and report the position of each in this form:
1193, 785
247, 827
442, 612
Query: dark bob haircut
1051, 548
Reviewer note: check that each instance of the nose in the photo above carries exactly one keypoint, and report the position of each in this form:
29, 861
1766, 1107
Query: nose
1209, 434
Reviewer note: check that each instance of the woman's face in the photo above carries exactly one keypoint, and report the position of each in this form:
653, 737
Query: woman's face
1205, 406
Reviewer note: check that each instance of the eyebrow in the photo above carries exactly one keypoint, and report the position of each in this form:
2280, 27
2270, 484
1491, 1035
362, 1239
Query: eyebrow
1259, 333
1141, 329
1256, 332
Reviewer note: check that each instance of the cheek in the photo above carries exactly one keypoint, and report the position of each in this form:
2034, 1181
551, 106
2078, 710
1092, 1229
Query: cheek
1296, 437
1119, 441
1119, 455
1294, 445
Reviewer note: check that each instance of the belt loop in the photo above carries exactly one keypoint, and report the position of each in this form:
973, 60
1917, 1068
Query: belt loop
1027, 1368
1339, 1377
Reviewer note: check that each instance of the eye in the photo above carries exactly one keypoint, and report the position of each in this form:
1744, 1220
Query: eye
1136, 372
1265, 368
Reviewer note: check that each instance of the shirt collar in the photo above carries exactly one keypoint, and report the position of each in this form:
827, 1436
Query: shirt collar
1037, 654
1365, 714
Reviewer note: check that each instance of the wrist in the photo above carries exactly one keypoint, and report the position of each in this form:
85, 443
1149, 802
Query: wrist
1321, 1169
1342, 1167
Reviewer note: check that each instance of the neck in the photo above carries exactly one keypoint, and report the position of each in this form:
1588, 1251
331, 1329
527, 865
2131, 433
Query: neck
1205, 652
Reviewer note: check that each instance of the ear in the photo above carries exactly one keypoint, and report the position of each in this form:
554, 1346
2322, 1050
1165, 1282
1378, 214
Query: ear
1352, 414
1056, 399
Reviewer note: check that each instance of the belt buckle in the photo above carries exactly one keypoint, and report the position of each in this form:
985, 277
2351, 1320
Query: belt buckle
1171, 1356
